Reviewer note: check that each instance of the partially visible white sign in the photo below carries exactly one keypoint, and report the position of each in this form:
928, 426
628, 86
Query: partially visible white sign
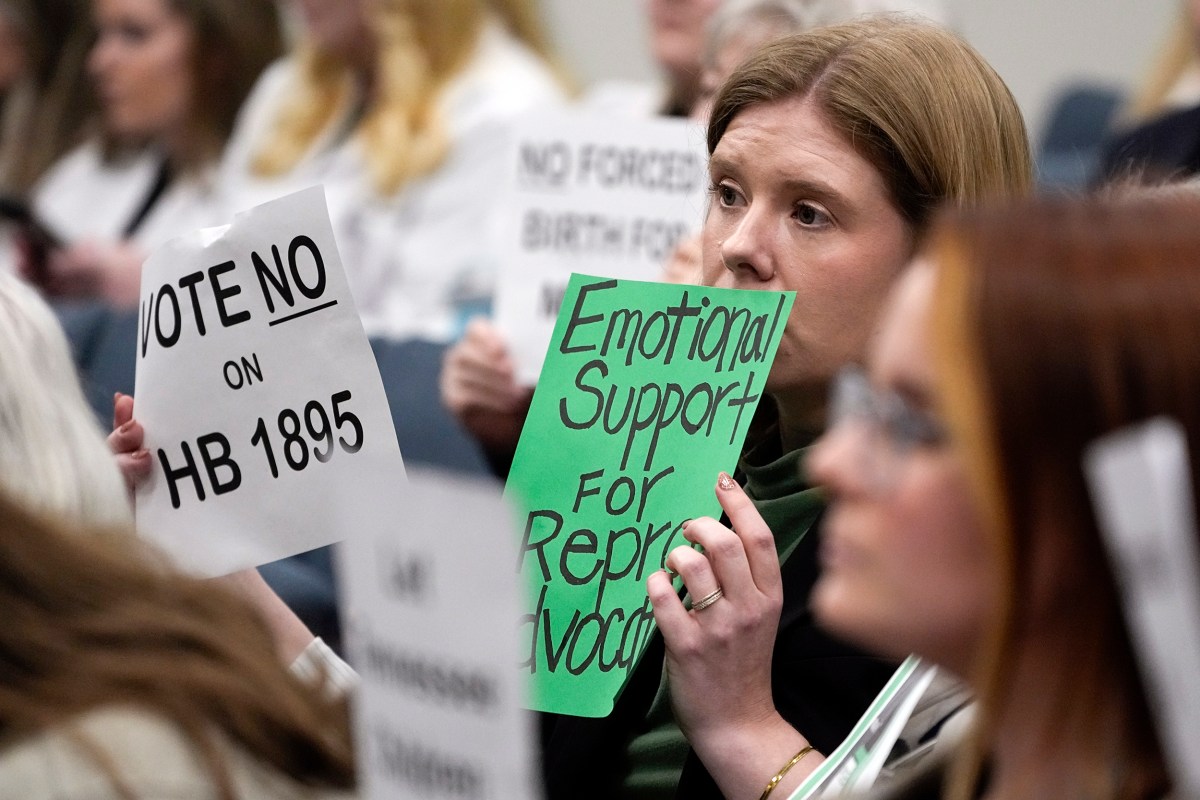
605, 196
1141, 487
428, 606
257, 388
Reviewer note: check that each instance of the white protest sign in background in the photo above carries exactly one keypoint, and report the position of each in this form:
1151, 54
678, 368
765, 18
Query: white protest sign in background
257, 388
428, 608
607, 196
1141, 483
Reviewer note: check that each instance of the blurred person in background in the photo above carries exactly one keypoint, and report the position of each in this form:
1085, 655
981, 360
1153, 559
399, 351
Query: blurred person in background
1167, 146
44, 97
399, 108
170, 76
53, 456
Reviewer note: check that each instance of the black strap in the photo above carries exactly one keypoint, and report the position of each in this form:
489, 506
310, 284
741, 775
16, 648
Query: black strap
162, 180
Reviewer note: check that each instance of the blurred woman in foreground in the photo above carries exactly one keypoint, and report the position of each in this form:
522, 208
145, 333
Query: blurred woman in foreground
961, 526
122, 679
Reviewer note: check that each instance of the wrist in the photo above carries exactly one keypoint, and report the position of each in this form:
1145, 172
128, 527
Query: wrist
744, 758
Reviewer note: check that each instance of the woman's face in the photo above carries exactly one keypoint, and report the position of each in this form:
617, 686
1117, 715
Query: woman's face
677, 29
905, 564
795, 207
142, 64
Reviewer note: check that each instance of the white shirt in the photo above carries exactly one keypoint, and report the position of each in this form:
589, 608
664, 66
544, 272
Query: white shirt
418, 262
85, 197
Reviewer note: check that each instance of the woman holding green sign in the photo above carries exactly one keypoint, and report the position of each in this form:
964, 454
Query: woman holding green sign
829, 152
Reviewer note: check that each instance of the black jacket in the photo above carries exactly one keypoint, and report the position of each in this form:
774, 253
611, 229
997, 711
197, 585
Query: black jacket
1165, 148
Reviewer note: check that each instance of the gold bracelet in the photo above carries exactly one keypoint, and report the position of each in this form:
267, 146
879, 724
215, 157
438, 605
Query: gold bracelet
771, 784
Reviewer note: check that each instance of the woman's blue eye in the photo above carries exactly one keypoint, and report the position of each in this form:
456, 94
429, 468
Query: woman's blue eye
727, 194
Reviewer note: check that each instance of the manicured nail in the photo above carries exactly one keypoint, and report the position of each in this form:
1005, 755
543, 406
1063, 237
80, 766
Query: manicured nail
725, 482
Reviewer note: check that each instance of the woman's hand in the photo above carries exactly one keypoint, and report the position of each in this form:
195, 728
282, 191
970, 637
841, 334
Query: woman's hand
111, 271
719, 654
479, 386
683, 266
290, 634
125, 442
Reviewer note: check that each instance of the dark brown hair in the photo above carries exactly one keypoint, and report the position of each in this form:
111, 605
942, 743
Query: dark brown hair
91, 622
915, 100
234, 41
47, 111
1054, 322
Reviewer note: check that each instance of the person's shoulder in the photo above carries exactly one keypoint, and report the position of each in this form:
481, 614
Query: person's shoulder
89, 162
1163, 143
152, 756
66, 196
274, 80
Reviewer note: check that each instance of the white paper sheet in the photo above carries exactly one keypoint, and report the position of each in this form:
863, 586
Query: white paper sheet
429, 602
257, 388
607, 196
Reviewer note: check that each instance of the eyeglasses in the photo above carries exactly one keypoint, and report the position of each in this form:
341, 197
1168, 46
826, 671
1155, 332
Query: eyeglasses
891, 427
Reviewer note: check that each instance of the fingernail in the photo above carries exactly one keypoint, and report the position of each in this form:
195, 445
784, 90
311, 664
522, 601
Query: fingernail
141, 454
725, 482
116, 397
126, 428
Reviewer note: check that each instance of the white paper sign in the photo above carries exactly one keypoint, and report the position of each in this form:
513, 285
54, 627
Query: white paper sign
428, 607
1141, 488
605, 196
257, 388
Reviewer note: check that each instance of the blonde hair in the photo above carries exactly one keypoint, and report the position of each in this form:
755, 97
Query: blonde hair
420, 45
1176, 58
52, 453
915, 100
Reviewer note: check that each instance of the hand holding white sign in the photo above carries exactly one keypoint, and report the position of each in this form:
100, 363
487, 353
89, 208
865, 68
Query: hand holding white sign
257, 389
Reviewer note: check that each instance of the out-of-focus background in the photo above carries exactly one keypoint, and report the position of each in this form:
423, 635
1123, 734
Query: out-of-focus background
1039, 47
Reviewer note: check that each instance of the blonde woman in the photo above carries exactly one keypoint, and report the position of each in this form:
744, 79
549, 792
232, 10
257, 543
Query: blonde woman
52, 453
399, 107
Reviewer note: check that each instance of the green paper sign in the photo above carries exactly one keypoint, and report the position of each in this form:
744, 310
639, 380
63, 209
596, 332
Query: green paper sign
646, 394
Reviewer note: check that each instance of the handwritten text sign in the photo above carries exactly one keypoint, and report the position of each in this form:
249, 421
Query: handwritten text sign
257, 388
646, 394
429, 622
594, 195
